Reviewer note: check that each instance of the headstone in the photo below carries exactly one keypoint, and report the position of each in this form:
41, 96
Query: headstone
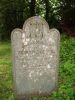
35, 51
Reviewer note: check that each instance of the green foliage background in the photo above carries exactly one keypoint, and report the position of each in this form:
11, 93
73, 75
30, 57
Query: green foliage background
13, 13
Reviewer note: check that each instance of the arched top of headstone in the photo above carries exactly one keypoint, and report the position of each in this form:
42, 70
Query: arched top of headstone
36, 20
36, 27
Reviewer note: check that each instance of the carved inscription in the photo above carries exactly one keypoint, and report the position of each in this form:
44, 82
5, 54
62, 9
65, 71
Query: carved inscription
35, 58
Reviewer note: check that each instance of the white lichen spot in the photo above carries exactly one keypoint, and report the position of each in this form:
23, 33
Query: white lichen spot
30, 75
40, 74
23, 35
51, 56
24, 49
27, 40
48, 66
37, 30
25, 43
24, 66
37, 72
34, 80
23, 40
27, 54
45, 47
51, 40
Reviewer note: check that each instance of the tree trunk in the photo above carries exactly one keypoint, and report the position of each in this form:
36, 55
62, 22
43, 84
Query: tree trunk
32, 7
47, 9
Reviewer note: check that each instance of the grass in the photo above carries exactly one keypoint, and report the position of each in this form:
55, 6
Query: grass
5, 72
66, 89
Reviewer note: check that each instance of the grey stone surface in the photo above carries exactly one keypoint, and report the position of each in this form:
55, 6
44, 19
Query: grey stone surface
35, 51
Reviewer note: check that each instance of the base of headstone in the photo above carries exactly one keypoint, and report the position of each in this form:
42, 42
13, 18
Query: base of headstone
44, 96
31, 97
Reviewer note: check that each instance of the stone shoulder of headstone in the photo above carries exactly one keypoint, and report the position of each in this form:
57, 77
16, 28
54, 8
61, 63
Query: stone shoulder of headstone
35, 54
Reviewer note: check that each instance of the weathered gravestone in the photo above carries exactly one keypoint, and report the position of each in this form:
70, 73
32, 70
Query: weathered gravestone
35, 51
